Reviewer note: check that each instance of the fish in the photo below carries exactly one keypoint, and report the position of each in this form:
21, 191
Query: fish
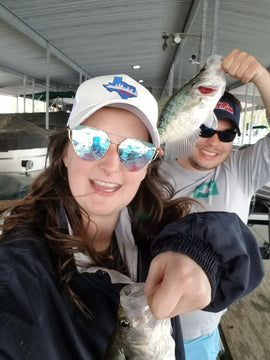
191, 106
137, 334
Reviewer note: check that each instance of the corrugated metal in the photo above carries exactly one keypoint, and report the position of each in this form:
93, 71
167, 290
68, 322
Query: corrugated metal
110, 36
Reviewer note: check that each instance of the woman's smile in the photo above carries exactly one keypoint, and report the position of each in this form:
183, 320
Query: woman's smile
107, 187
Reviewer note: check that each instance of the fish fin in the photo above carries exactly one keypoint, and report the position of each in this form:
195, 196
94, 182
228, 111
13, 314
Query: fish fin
212, 121
182, 148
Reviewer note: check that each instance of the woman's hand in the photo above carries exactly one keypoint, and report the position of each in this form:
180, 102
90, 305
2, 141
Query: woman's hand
176, 284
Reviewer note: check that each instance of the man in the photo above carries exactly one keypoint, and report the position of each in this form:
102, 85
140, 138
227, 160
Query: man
222, 181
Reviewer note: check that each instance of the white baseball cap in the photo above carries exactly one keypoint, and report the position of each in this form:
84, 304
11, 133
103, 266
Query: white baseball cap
120, 91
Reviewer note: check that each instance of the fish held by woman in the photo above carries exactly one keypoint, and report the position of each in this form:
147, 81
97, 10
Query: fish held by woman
138, 335
191, 106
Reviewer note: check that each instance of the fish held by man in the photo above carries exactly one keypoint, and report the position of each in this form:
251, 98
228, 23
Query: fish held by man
191, 106
138, 335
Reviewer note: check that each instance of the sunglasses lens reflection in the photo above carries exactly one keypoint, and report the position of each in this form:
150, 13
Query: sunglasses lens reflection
135, 154
92, 144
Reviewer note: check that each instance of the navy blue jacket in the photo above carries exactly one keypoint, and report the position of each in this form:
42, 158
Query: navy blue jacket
38, 321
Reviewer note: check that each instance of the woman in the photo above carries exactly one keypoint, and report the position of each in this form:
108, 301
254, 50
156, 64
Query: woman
89, 225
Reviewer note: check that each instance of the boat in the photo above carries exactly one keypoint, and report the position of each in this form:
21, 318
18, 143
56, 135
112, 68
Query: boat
23, 151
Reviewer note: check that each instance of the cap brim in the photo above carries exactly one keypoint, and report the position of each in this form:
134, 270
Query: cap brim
82, 115
224, 115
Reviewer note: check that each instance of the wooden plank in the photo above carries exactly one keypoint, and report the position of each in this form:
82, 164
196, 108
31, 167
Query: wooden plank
245, 327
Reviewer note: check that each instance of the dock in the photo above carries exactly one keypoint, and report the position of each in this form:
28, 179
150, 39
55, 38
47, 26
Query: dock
245, 327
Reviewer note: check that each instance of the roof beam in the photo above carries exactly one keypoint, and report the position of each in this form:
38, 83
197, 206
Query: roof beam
25, 29
20, 75
188, 25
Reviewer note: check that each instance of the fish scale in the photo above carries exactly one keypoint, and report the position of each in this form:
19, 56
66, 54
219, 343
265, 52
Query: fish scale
191, 106
138, 335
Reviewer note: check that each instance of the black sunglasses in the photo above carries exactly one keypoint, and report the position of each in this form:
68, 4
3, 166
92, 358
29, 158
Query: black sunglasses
223, 135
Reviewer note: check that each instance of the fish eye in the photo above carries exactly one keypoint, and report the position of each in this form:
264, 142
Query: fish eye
124, 322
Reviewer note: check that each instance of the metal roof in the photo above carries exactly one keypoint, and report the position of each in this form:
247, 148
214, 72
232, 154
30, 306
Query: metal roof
63, 42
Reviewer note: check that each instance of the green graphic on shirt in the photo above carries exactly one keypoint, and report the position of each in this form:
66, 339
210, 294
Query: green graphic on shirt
205, 190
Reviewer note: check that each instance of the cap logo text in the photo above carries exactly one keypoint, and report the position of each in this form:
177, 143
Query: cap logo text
125, 90
225, 106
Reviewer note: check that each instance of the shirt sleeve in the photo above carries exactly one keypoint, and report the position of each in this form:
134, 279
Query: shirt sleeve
223, 246
251, 166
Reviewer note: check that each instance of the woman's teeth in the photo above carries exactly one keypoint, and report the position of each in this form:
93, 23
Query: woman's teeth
104, 186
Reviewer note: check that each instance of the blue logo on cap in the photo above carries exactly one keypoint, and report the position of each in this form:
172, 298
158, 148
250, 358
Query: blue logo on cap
125, 90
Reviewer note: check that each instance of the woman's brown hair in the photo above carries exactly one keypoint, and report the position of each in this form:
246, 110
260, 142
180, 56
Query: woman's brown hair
150, 210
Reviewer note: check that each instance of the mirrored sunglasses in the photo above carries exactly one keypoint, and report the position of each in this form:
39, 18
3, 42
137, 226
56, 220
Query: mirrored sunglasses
223, 135
92, 144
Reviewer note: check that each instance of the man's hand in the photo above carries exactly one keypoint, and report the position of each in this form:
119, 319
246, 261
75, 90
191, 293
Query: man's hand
176, 284
243, 66
246, 68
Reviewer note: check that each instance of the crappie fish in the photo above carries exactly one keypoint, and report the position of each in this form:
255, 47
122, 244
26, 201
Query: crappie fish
138, 335
191, 106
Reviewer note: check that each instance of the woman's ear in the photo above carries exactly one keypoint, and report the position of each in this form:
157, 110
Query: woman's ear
160, 151
65, 160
